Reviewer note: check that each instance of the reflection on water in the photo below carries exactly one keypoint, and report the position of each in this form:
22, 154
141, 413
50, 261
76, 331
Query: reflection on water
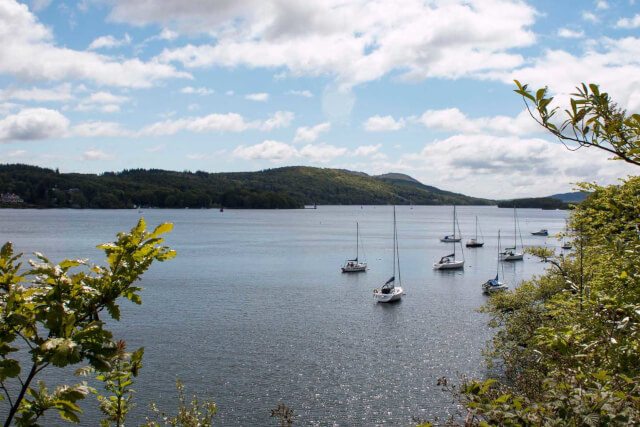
255, 310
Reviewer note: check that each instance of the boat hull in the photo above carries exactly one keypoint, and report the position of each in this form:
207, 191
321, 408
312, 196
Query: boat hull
448, 265
354, 268
450, 240
474, 244
490, 289
512, 257
394, 295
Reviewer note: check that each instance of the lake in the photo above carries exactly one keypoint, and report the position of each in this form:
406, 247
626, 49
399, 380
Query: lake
254, 310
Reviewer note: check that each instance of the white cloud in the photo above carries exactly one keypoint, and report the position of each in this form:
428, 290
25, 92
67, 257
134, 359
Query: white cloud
198, 91
193, 107
322, 153
383, 123
31, 124
353, 40
590, 16
156, 148
59, 93
98, 129
453, 120
629, 23
273, 151
280, 119
261, 97
310, 134
602, 5
195, 156
615, 66
368, 151
96, 154
28, 51
230, 122
303, 93
229, 93
106, 98
570, 34
109, 42
7, 107
506, 167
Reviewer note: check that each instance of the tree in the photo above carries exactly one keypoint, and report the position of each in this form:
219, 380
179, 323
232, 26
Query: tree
52, 312
568, 342
593, 120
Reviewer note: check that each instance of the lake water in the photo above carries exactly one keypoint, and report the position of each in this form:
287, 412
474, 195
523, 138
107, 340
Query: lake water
254, 310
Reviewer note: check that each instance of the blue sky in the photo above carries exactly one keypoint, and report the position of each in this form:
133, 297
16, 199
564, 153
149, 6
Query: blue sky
419, 87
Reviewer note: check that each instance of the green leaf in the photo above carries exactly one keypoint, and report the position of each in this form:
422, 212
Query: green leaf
9, 368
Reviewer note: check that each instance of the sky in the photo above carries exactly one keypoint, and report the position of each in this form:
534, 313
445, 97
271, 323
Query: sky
423, 88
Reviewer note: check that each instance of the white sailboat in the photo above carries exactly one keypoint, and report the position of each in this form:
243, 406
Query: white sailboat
354, 265
474, 242
495, 285
512, 254
449, 262
389, 292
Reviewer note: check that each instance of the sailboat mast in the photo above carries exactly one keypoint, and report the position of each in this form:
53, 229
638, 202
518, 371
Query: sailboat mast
498, 266
395, 239
476, 228
515, 230
357, 235
454, 232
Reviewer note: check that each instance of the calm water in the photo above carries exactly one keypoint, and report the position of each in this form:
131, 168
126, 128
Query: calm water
254, 310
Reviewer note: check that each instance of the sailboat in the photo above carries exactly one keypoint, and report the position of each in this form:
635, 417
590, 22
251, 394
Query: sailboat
389, 292
474, 242
353, 265
512, 254
449, 262
495, 285
566, 244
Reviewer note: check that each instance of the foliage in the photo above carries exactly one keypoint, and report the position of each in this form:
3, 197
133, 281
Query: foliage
284, 413
190, 414
50, 315
282, 188
569, 341
593, 120
118, 380
538, 202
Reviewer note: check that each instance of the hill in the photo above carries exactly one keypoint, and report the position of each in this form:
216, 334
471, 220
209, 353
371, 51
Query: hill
534, 202
282, 188
574, 197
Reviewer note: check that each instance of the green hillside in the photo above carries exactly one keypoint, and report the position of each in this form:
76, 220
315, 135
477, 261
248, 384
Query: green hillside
283, 188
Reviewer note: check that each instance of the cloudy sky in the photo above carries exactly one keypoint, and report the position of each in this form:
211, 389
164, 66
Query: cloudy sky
423, 87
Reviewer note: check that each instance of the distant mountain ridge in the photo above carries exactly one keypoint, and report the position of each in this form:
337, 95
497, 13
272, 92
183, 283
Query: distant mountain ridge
573, 197
286, 187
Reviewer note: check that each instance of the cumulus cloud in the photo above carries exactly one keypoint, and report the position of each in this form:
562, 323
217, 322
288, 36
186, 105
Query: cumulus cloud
273, 151
311, 134
613, 64
590, 17
453, 120
261, 97
28, 51
629, 23
570, 34
353, 40
505, 167
230, 122
198, 91
322, 153
109, 42
303, 93
105, 102
98, 129
32, 124
59, 93
369, 151
386, 123
93, 154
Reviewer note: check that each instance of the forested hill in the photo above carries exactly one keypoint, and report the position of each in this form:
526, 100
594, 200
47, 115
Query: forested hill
287, 187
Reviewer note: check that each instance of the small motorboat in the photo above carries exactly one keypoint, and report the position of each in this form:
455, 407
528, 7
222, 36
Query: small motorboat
543, 232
